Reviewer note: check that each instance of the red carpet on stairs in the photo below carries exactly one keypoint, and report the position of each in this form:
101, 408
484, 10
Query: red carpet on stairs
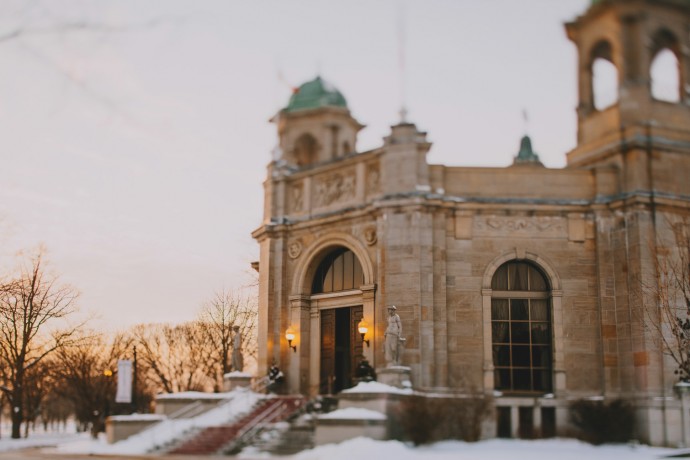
211, 439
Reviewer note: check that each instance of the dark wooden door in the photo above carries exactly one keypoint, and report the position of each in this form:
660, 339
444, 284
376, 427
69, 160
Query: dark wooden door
327, 351
341, 348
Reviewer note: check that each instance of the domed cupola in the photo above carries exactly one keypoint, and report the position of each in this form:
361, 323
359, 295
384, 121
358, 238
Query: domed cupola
526, 155
315, 126
314, 94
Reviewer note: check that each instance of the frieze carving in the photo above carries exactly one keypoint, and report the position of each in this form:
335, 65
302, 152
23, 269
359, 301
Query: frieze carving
373, 184
294, 249
334, 188
545, 226
370, 236
295, 198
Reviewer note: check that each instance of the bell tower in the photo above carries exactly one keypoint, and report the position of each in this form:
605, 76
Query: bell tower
316, 126
626, 41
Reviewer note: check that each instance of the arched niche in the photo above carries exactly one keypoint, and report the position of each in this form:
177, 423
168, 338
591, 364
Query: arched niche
305, 150
665, 76
604, 77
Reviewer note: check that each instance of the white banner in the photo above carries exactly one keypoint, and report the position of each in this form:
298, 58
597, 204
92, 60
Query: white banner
124, 381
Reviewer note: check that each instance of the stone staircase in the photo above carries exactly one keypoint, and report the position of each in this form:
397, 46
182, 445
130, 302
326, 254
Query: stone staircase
232, 437
287, 438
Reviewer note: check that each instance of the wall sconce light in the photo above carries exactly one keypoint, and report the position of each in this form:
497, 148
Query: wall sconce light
363, 328
290, 336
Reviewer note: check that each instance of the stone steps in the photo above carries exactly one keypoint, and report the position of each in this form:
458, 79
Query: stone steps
216, 439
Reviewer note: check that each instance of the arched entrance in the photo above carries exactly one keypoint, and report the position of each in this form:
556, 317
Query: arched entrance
336, 294
340, 346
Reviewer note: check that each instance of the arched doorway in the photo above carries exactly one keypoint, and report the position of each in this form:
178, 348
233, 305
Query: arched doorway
335, 291
334, 277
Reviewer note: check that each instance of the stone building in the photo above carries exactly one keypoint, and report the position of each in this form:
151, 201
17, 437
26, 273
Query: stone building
523, 282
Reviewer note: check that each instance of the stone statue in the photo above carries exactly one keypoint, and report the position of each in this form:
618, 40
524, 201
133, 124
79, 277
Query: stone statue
237, 360
393, 335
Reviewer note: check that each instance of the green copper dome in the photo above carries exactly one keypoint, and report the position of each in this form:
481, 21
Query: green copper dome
314, 94
526, 155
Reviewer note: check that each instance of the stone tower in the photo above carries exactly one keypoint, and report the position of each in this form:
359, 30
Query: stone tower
630, 34
316, 125
644, 142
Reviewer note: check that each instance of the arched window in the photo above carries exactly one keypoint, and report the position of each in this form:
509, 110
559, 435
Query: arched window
305, 150
665, 77
339, 271
521, 329
664, 71
604, 77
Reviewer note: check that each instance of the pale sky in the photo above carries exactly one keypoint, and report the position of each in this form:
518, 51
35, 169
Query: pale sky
134, 135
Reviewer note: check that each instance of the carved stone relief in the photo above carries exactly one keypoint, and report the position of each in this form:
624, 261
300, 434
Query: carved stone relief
373, 184
370, 235
523, 226
295, 198
294, 249
334, 188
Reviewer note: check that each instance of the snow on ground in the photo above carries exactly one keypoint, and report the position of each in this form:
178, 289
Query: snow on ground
239, 402
495, 449
39, 440
354, 413
377, 387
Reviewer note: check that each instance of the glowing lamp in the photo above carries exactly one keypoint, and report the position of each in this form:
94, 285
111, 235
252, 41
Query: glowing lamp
290, 336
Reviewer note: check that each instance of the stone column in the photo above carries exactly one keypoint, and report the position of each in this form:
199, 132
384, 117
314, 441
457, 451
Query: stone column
368, 302
559, 384
299, 361
488, 354
315, 349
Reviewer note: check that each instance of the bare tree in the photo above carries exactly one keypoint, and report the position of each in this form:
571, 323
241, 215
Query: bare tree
667, 295
173, 357
86, 374
32, 304
217, 317
38, 382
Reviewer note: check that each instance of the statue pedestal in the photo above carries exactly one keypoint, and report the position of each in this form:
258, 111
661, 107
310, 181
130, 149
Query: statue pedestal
396, 376
236, 379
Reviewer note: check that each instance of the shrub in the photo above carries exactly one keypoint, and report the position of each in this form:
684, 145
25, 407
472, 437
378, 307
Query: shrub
602, 422
424, 419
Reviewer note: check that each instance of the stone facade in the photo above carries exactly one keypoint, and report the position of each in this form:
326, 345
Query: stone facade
430, 238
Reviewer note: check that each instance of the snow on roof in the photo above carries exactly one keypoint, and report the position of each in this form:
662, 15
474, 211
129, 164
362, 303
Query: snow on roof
136, 417
193, 395
237, 374
353, 413
376, 387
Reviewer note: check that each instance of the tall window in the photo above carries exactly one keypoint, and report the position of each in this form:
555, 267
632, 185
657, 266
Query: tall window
604, 77
339, 271
665, 76
521, 329
665, 71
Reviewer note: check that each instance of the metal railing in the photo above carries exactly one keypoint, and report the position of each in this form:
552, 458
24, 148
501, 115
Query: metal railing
183, 412
255, 425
